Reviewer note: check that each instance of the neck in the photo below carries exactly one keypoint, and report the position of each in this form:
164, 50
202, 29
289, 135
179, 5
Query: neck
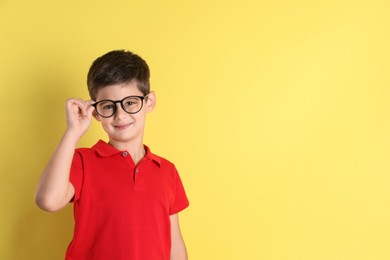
135, 149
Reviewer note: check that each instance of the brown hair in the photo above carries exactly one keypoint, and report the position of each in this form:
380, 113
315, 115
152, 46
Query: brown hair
116, 67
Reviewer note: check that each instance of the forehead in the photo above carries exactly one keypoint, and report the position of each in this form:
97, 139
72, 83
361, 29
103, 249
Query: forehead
118, 91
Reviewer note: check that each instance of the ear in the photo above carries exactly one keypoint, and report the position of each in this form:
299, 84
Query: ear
151, 101
96, 115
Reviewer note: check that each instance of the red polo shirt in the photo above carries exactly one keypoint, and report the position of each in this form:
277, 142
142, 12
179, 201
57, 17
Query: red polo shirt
122, 210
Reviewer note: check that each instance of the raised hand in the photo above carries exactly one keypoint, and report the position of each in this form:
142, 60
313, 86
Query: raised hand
78, 115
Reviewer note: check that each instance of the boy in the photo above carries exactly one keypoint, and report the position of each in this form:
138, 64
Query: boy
126, 199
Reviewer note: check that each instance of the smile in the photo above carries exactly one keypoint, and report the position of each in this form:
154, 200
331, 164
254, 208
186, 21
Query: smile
122, 126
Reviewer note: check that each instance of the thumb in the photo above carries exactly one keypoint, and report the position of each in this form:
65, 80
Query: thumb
90, 108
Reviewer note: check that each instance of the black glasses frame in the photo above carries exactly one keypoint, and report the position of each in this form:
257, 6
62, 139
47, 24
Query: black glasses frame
122, 105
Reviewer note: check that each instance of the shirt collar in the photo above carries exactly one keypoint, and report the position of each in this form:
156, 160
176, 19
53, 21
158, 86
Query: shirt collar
106, 150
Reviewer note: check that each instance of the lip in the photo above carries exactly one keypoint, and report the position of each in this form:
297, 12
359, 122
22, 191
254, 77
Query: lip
122, 126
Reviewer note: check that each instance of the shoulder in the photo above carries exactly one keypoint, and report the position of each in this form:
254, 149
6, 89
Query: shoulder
91, 155
164, 163
83, 152
100, 148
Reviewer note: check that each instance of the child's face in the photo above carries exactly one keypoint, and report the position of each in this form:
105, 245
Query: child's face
123, 127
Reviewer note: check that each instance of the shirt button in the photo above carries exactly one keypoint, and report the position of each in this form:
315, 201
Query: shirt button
124, 153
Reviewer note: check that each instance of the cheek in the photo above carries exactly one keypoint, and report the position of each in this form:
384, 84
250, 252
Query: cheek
105, 123
139, 120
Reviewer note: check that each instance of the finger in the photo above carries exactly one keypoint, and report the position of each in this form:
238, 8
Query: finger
79, 106
82, 105
90, 110
89, 107
90, 102
72, 104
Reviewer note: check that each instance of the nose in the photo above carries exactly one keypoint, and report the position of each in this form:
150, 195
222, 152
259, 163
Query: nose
119, 112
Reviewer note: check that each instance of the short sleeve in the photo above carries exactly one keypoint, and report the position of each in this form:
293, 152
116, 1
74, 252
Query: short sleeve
76, 175
180, 200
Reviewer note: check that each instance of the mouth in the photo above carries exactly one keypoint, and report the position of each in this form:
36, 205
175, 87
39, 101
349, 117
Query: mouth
122, 126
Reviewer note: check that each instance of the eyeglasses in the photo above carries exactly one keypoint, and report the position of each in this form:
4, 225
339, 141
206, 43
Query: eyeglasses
131, 104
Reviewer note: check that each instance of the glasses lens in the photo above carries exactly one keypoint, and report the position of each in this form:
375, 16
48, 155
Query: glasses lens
105, 108
132, 104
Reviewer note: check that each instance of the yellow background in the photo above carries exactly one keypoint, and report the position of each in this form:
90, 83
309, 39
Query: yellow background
276, 114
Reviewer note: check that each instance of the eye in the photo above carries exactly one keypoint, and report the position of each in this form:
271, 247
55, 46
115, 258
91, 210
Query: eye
129, 103
106, 105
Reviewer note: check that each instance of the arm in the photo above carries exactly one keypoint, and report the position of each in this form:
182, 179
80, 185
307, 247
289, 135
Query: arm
178, 248
54, 189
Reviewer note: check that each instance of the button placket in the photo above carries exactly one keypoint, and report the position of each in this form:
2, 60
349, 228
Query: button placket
135, 174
